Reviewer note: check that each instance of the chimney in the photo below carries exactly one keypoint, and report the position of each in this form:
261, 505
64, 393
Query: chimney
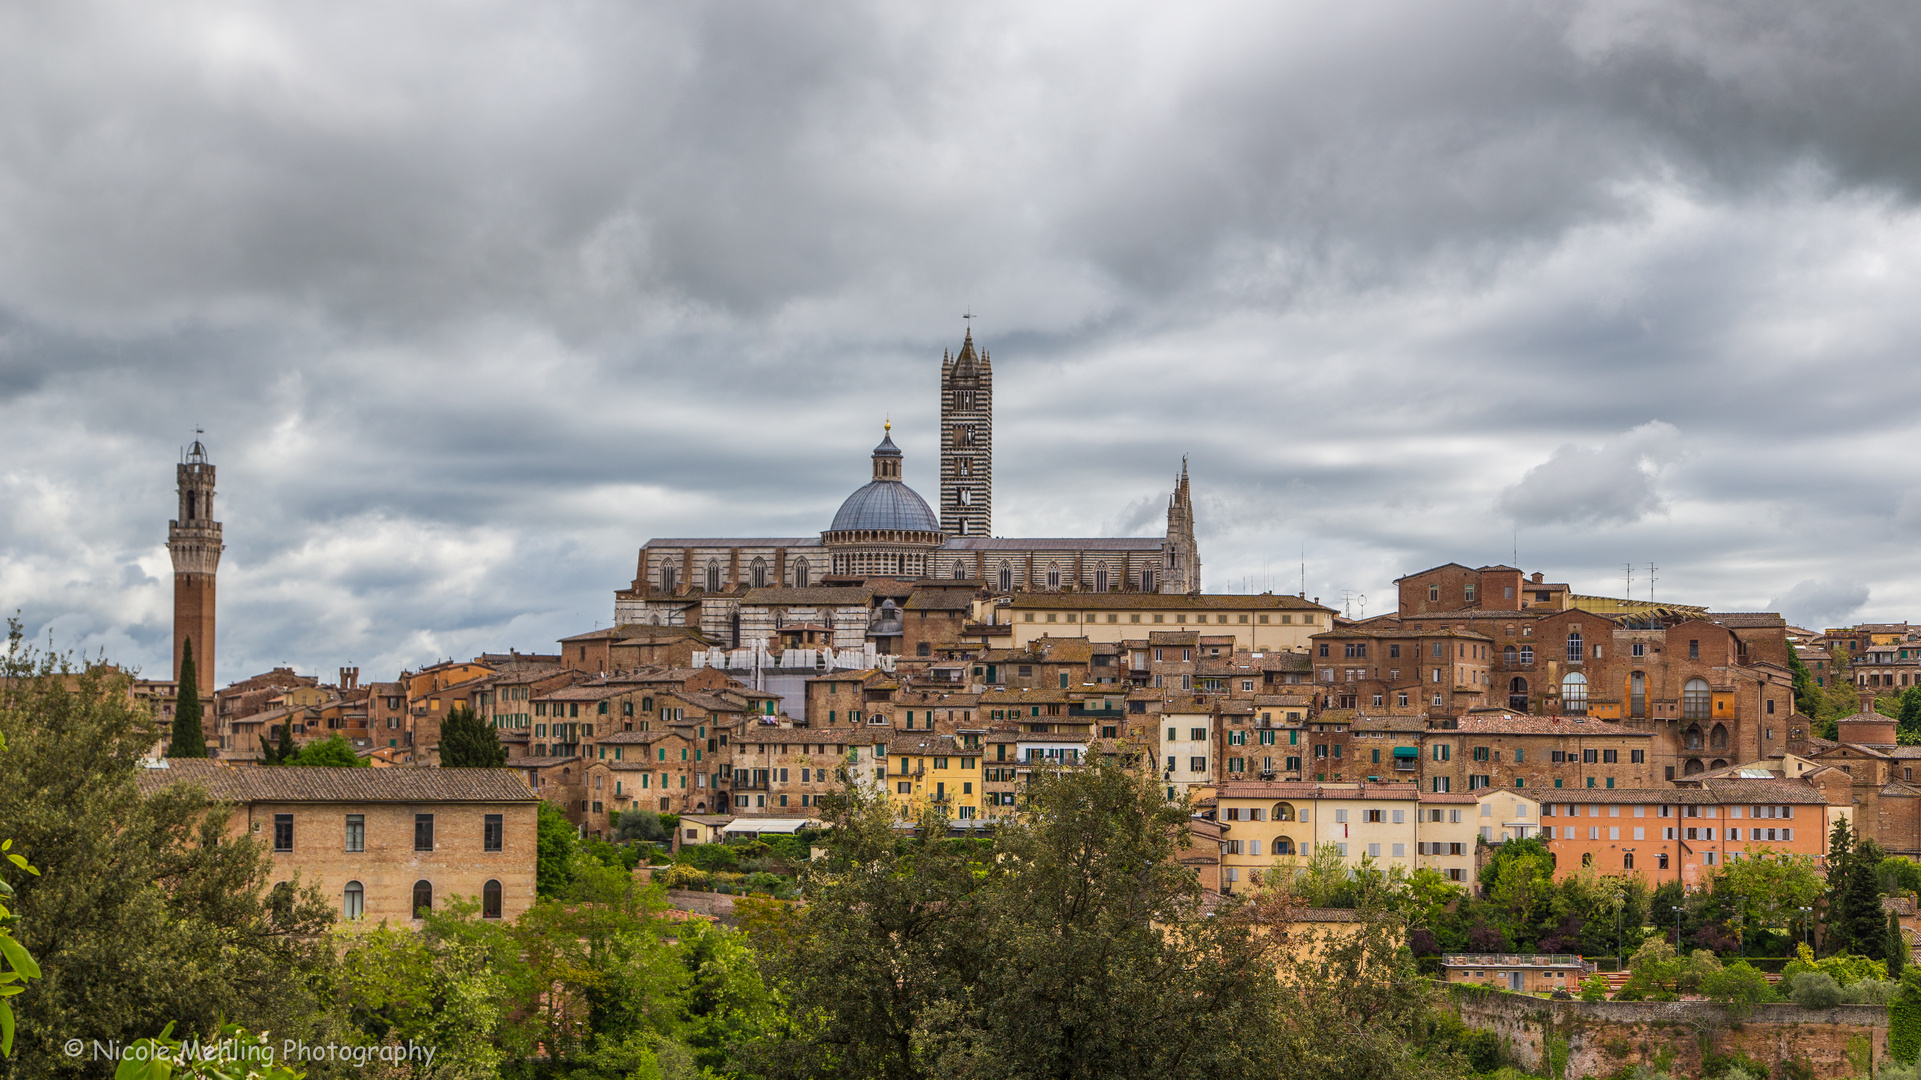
1867, 702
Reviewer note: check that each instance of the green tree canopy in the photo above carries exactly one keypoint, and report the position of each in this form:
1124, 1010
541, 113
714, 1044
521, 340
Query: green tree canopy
147, 909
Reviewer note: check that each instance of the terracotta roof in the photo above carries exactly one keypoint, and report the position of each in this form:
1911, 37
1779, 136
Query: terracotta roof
813, 595
1452, 796
939, 600
1746, 619
826, 736
317, 784
1163, 601
1718, 793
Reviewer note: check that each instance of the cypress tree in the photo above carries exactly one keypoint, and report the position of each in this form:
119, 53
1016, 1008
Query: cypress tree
1861, 904
1897, 948
188, 738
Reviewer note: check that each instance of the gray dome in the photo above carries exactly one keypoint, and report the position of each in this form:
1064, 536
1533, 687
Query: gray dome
885, 504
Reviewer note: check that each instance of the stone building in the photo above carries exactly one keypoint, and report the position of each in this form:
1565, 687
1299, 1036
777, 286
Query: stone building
381, 844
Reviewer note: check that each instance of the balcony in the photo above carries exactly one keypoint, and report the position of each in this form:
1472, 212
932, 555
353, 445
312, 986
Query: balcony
1406, 764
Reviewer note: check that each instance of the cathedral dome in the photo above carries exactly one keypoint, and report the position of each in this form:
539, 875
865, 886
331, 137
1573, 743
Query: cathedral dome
885, 504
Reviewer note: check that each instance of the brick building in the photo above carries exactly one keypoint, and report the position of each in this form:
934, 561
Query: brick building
1683, 833
382, 843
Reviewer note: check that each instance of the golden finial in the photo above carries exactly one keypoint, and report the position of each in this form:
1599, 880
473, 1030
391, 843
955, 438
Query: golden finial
888, 424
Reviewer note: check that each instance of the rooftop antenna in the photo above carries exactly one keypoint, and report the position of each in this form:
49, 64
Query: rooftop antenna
1303, 569
1651, 579
1517, 549
1630, 593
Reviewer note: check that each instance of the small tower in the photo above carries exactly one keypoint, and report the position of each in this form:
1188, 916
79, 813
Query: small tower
1183, 572
193, 539
967, 442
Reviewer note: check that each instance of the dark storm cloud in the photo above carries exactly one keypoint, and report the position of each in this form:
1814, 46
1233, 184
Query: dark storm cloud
474, 298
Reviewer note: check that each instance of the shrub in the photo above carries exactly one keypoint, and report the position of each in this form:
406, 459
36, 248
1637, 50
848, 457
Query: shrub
710, 857
1871, 992
1594, 988
641, 825
1814, 990
680, 876
1739, 986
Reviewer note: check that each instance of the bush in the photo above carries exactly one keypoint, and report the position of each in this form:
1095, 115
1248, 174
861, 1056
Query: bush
1594, 988
711, 857
641, 825
681, 876
1871, 992
1738, 986
1814, 990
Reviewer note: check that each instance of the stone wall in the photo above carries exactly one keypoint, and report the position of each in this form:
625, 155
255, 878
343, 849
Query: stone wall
1602, 1038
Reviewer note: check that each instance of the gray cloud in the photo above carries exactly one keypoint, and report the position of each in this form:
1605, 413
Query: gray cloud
1608, 484
474, 300
1816, 605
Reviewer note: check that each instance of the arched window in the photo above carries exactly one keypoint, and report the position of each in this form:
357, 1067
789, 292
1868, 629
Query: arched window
760, 572
353, 901
490, 900
1527, 656
1007, 578
713, 575
1283, 846
1627, 860
1100, 577
1638, 695
423, 897
1718, 763
1587, 858
1147, 581
800, 573
960, 571
1718, 738
1693, 766
1517, 694
1691, 738
666, 577
1053, 575
1574, 646
1574, 694
1283, 812
1695, 699
1509, 655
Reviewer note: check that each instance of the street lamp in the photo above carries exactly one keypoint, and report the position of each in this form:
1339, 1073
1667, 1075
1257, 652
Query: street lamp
1677, 929
1620, 901
1807, 917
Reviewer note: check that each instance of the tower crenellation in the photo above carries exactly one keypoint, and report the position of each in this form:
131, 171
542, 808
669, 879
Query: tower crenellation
967, 442
193, 540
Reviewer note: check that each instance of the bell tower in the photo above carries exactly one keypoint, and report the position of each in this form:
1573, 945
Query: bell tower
967, 442
193, 539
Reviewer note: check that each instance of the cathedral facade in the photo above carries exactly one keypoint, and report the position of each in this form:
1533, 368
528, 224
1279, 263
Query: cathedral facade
886, 531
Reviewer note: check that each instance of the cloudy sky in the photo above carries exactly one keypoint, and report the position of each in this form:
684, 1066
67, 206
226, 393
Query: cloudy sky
472, 298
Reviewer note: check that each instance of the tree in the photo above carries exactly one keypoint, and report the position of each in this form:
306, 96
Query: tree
1767, 888
335, 752
467, 741
1861, 923
1739, 986
1895, 949
147, 909
188, 738
556, 849
1807, 695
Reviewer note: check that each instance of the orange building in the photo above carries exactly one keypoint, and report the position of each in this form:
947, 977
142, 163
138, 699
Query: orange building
1669, 834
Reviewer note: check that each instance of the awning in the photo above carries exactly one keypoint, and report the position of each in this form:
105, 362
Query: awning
1407, 751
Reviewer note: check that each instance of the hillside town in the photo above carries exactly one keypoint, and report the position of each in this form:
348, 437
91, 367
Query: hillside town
939, 666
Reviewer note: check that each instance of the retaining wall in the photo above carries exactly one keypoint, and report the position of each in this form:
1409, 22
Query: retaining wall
1602, 1038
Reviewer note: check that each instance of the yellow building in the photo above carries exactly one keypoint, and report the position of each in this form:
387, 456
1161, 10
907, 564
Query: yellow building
933, 770
1258, 623
1186, 758
1266, 821
1449, 826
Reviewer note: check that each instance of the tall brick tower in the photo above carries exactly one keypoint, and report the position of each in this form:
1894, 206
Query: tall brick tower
193, 540
967, 442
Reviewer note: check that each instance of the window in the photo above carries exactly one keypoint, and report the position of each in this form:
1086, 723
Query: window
423, 897
1574, 653
1636, 757
1574, 694
491, 831
1694, 649
423, 834
490, 900
353, 902
283, 832
1639, 648
1695, 699
356, 832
